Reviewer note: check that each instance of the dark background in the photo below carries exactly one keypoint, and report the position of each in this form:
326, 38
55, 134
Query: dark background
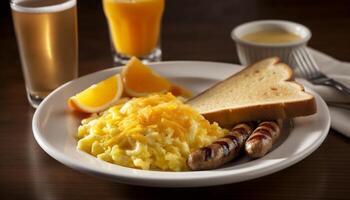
192, 30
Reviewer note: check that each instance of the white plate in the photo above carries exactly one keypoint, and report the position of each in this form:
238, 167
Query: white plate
55, 127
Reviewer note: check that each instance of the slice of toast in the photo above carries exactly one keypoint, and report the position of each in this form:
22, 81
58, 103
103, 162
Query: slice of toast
262, 91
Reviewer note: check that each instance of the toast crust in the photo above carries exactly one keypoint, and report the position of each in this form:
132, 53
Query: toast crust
275, 111
268, 111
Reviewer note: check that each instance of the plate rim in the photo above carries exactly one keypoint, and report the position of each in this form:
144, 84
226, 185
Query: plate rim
163, 181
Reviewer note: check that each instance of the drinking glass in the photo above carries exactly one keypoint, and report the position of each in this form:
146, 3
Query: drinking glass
46, 32
134, 27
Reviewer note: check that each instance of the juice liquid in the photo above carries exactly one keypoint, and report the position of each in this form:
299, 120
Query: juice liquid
134, 25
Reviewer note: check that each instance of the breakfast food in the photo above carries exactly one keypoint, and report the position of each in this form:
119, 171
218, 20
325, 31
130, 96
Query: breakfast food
180, 91
262, 91
140, 80
155, 132
98, 96
149, 128
136, 80
261, 140
222, 150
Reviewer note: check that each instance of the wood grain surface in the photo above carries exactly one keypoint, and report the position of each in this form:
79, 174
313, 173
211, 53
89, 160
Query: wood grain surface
192, 30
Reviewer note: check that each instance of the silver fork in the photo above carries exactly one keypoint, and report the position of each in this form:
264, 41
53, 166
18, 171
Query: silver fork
309, 69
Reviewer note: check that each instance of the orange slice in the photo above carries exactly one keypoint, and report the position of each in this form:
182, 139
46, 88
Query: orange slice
180, 91
99, 96
140, 80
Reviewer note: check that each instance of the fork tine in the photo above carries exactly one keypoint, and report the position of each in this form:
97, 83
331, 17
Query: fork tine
301, 63
311, 63
307, 64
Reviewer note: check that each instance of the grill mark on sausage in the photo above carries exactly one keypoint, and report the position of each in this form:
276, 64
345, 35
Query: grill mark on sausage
207, 153
268, 125
233, 138
240, 130
263, 132
225, 147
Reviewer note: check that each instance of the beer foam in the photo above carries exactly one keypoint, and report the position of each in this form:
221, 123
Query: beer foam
16, 5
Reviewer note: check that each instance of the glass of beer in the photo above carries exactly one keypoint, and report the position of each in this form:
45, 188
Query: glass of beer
134, 27
47, 39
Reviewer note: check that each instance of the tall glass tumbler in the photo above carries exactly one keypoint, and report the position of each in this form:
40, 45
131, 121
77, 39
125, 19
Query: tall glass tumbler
47, 39
134, 27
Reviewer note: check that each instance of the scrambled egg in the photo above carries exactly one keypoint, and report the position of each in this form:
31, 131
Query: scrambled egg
156, 132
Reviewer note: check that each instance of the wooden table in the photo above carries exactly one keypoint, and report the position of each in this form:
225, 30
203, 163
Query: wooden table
192, 30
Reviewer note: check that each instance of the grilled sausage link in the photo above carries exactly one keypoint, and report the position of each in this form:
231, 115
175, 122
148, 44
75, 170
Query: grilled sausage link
261, 140
222, 150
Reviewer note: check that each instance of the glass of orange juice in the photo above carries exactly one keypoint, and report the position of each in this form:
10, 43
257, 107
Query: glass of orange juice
134, 27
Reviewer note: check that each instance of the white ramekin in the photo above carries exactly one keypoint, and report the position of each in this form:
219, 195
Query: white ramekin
250, 52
